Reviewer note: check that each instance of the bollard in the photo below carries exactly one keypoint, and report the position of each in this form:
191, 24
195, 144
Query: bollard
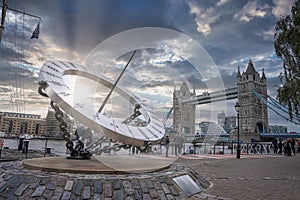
46, 143
214, 149
20, 146
48, 150
25, 148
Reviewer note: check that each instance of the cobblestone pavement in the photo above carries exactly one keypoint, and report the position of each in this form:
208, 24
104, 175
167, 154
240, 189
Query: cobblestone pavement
17, 182
251, 177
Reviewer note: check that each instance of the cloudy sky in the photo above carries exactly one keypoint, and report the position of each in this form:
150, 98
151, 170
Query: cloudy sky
230, 31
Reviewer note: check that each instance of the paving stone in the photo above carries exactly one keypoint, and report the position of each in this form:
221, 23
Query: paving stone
38, 191
135, 184
157, 185
137, 194
118, 195
86, 192
34, 184
88, 182
19, 179
144, 186
44, 181
2, 182
12, 183
27, 193
170, 197
161, 194
69, 185
52, 185
126, 184
128, 191
66, 195
169, 181
57, 193
162, 179
149, 183
98, 187
146, 197
7, 177
165, 188
30, 179
19, 191
117, 185
61, 182
173, 190
153, 193
129, 198
77, 187
107, 190
97, 196
48, 194
8, 193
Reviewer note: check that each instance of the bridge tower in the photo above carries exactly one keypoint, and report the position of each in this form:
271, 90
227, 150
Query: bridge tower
253, 113
183, 114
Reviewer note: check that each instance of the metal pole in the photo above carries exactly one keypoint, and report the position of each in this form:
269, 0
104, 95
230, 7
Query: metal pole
46, 144
112, 89
4, 7
238, 149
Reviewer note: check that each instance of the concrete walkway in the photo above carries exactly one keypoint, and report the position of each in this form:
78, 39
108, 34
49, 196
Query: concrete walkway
251, 177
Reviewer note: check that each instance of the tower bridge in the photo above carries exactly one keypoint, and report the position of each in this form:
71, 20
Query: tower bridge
222, 95
251, 92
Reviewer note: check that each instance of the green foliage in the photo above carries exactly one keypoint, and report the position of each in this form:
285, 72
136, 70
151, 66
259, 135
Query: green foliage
287, 47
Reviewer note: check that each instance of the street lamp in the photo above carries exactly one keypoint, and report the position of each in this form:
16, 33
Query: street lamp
238, 149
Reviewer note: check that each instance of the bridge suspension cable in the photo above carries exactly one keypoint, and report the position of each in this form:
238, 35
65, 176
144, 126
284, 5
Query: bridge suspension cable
275, 107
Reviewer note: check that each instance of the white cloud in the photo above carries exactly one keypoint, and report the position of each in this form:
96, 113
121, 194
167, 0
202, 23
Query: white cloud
204, 17
222, 2
282, 7
267, 35
249, 11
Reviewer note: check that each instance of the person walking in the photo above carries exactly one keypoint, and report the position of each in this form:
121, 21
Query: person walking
275, 146
167, 144
178, 141
293, 145
280, 146
288, 146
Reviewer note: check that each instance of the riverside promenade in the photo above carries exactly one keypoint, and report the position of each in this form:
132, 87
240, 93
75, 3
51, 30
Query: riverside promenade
221, 177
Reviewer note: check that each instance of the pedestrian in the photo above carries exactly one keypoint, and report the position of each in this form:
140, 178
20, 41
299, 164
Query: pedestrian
293, 144
288, 148
275, 145
178, 141
167, 143
280, 146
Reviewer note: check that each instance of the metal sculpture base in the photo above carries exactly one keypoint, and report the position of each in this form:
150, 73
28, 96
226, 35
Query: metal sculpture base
114, 164
79, 157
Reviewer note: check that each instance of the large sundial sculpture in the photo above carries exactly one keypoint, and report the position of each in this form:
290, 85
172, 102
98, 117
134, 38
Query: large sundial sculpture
141, 129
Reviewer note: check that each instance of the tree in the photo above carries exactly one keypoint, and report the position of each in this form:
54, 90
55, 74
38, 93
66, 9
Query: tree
287, 47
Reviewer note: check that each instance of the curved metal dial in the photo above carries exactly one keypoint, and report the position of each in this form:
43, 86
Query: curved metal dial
129, 131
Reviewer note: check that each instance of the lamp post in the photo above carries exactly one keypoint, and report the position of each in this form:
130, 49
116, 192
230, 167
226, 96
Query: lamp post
238, 149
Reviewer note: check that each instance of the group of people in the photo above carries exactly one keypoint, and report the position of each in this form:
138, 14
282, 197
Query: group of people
288, 146
178, 144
